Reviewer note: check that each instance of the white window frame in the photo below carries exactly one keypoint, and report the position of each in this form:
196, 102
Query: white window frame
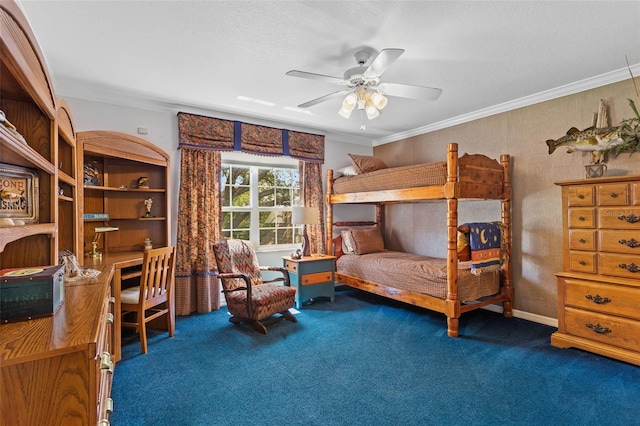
254, 163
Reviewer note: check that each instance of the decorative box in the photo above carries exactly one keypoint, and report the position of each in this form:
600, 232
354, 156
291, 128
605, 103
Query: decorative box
27, 293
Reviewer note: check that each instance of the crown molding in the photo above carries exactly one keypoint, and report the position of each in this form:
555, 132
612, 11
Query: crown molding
569, 89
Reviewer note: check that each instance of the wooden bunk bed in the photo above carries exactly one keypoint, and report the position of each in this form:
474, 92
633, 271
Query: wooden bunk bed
466, 177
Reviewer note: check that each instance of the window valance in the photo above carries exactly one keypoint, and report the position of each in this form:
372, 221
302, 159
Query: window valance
201, 132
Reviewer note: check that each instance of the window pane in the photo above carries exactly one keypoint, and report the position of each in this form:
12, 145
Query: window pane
226, 234
267, 237
285, 218
283, 197
241, 220
268, 219
240, 176
266, 197
241, 235
226, 196
226, 220
241, 196
285, 236
266, 177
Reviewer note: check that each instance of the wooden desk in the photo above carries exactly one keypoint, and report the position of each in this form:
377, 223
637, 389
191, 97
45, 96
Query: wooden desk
126, 265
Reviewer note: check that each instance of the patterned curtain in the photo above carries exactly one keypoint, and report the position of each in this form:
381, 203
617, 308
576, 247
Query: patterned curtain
197, 287
312, 195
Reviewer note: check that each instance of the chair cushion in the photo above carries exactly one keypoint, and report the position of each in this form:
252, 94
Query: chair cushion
130, 295
237, 256
266, 300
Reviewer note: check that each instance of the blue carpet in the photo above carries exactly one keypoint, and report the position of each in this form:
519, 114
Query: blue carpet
365, 360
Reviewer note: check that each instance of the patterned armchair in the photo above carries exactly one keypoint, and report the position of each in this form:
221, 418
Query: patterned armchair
249, 298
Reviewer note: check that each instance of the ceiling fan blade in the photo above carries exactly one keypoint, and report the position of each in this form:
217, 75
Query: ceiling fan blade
313, 76
409, 91
323, 98
385, 58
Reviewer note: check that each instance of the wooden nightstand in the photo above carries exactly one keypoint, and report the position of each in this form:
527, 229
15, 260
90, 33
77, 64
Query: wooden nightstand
312, 276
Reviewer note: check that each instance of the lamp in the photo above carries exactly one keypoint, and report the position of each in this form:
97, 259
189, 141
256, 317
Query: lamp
99, 230
305, 216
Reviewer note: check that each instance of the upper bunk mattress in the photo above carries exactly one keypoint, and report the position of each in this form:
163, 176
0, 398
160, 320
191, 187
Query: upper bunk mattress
430, 174
416, 273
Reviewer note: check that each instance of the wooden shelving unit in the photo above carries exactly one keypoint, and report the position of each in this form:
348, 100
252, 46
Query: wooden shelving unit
119, 161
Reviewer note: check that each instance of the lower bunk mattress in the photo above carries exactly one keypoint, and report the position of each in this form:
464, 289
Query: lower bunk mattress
419, 274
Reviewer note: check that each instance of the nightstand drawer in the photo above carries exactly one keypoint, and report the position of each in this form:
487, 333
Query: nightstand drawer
319, 277
605, 298
609, 329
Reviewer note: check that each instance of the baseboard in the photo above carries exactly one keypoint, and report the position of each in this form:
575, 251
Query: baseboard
540, 319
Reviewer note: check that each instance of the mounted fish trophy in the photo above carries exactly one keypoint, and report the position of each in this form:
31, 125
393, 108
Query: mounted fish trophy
595, 139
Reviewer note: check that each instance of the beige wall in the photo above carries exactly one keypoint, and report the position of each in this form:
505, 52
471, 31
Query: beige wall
537, 222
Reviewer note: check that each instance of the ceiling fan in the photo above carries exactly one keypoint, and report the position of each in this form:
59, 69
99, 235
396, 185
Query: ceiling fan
364, 89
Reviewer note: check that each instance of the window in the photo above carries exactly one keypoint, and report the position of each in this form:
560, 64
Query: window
257, 202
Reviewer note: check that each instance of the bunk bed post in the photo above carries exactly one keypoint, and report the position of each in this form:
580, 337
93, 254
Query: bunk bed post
380, 216
507, 287
452, 304
329, 224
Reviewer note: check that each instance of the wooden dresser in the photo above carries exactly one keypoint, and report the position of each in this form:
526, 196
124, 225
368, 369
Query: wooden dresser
599, 287
57, 370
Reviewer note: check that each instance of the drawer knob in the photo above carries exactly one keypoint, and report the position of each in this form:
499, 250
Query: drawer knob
633, 243
583, 263
613, 195
581, 196
109, 318
581, 218
104, 422
105, 362
109, 405
597, 299
598, 328
630, 218
632, 267
582, 240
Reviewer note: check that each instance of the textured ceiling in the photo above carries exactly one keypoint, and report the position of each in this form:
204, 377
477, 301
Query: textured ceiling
229, 58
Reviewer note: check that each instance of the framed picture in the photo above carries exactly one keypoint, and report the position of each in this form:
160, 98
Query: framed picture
18, 193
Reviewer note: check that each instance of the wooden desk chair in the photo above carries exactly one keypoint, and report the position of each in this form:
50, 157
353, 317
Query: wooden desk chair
154, 296
249, 298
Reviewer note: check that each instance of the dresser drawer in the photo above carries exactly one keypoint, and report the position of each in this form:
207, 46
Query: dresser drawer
604, 298
583, 261
582, 218
613, 194
628, 218
619, 241
619, 265
581, 196
580, 239
609, 329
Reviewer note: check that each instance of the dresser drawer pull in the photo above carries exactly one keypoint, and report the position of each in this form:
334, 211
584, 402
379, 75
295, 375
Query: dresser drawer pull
583, 263
632, 267
597, 299
598, 328
109, 405
581, 196
112, 300
582, 240
630, 218
582, 218
109, 318
104, 422
613, 195
105, 362
633, 243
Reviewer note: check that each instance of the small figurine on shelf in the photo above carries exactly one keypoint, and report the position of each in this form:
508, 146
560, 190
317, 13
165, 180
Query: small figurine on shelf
148, 203
143, 182
91, 173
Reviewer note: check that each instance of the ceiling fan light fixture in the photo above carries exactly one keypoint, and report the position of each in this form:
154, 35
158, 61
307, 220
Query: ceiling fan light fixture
372, 111
345, 112
379, 100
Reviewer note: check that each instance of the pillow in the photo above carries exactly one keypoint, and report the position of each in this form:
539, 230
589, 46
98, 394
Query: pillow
347, 171
464, 248
367, 240
348, 245
366, 163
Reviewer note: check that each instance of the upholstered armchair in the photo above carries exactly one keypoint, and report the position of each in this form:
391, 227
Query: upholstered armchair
249, 298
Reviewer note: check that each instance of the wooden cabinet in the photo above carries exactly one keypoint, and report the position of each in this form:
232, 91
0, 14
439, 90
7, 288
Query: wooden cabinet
113, 164
58, 370
599, 287
312, 276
